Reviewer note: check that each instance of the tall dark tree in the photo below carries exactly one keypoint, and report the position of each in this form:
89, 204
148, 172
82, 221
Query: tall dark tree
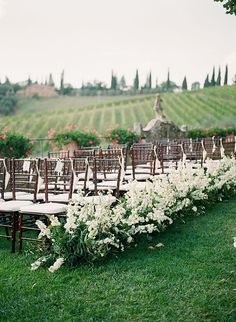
29, 81
184, 84
218, 81
213, 81
207, 83
168, 84
226, 75
51, 81
136, 81
113, 81
150, 80
62, 83
7, 81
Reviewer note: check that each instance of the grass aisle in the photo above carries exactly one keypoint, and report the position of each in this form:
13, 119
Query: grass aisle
192, 278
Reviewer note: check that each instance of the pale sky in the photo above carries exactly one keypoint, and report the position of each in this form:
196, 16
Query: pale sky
89, 38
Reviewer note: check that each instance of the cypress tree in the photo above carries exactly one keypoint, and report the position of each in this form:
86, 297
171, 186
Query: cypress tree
207, 83
29, 81
150, 81
213, 82
218, 81
113, 81
62, 83
226, 75
136, 81
51, 81
184, 84
168, 81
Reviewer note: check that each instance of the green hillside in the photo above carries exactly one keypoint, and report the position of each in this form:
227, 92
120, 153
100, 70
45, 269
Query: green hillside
205, 108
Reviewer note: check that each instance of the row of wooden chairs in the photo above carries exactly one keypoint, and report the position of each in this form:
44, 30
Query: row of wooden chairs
35, 187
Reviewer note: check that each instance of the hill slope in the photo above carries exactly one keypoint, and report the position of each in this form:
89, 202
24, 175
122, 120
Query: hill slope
204, 108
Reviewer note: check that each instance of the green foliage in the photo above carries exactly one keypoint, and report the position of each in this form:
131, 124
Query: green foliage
7, 104
14, 145
229, 5
122, 136
218, 132
82, 138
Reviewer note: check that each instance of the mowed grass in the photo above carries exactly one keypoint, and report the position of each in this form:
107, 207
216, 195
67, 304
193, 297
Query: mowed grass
192, 278
209, 107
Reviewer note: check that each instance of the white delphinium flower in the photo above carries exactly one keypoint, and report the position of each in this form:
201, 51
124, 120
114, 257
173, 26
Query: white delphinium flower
54, 221
234, 241
44, 230
194, 209
38, 263
56, 265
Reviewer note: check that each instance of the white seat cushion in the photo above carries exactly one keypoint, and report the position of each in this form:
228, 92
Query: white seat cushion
107, 184
13, 205
138, 176
30, 196
8, 195
44, 208
62, 197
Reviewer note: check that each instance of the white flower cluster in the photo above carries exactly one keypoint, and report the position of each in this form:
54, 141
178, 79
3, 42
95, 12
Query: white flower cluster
92, 230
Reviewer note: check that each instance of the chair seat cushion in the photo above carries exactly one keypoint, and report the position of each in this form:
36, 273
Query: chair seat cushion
13, 205
8, 195
44, 208
139, 176
30, 196
62, 197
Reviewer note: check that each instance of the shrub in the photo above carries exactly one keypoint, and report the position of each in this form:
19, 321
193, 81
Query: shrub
82, 138
7, 104
14, 145
122, 136
202, 133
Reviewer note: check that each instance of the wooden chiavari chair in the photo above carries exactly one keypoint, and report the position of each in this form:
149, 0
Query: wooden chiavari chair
58, 154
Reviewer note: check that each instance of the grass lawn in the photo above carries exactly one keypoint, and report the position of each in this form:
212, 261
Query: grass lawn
192, 278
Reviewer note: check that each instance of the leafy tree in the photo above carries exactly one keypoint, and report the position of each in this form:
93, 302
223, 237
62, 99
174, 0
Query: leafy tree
123, 83
218, 81
7, 104
207, 83
136, 81
229, 5
213, 82
167, 86
226, 75
184, 84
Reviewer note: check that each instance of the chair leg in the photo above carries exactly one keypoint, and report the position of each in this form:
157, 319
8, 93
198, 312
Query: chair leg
13, 231
20, 232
